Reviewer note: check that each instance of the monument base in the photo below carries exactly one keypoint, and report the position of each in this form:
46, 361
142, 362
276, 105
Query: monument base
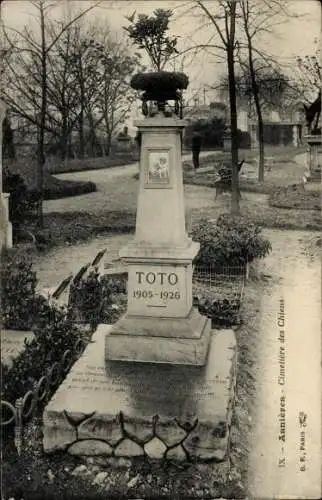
165, 340
133, 409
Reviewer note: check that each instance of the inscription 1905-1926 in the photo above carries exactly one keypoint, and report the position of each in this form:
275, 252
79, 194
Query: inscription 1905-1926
157, 280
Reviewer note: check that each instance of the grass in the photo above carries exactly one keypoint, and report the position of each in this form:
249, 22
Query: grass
78, 225
73, 227
269, 217
113, 209
293, 197
281, 170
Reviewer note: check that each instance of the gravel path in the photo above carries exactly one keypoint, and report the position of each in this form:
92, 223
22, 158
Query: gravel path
293, 290
104, 179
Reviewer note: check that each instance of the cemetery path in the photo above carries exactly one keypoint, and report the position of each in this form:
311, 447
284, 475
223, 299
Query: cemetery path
105, 180
55, 265
287, 381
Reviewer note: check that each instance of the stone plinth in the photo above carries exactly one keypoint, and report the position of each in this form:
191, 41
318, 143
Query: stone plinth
160, 325
132, 409
167, 340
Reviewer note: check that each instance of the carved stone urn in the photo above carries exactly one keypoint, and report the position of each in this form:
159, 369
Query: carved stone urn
159, 88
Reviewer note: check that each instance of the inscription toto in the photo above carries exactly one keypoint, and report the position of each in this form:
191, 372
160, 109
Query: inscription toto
158, 279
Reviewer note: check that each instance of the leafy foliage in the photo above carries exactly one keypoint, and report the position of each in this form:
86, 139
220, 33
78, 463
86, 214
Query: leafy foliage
161, 81
272, 85
54, 334
86, 298
223, 312
149, 34
231, 241
18, 285
309, 74
94, 298
22, 203
211, 132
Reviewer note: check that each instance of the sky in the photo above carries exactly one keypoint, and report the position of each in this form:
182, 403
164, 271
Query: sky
295, 37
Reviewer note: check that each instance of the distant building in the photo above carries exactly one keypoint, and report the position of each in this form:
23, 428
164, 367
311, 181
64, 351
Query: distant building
204, 112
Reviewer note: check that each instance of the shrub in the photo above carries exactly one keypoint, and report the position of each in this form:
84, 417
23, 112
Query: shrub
54, 334
86, 298
57, 188
22, 203
223, 312
94, 298
18, 286
244, 140
211, 132
231, 241
160, 81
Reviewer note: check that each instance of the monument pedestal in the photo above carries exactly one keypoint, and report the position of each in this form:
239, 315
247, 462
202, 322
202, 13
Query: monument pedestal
111, 408
160, 325
159, 383
168, 340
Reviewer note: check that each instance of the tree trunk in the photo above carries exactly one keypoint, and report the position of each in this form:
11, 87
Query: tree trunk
233, 113
41, 142
64, 139
258, 111
108, 141
256, 100
81, 115
261, 147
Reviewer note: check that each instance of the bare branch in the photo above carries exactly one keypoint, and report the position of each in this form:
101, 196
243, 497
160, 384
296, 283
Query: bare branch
70, 23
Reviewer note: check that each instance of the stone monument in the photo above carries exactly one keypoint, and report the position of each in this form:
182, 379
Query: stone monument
159, 383
160, 325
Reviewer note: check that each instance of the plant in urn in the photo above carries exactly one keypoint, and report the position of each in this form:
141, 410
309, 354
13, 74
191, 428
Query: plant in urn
159, 86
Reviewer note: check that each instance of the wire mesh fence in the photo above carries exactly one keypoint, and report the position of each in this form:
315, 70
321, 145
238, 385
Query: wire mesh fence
218, 292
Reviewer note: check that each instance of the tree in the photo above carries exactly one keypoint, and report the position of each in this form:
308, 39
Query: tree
91, 85
309, 76
258, 16
149, 33
116, 97
223, 20
272, 85
25, 49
